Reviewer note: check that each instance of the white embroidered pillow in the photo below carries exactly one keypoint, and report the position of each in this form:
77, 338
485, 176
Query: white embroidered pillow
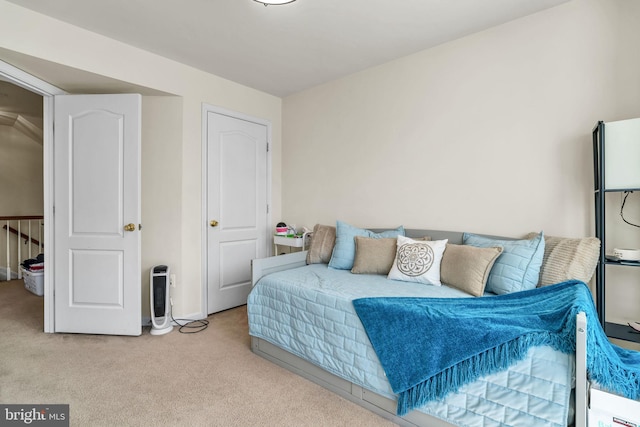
418, 261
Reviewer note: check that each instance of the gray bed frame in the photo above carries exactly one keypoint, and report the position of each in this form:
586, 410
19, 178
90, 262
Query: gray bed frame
375, 402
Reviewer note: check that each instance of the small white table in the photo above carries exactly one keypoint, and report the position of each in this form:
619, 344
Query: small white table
292, 242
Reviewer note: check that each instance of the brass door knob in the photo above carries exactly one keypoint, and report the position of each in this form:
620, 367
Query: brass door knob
130, 227
213, 223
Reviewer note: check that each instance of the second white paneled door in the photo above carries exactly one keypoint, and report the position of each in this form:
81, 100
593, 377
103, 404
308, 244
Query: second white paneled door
236, 206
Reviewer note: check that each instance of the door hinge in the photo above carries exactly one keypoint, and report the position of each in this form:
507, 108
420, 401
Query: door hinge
267, 147
267, 208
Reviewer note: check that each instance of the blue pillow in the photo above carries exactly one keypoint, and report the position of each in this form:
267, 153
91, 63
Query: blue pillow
517, 268
344, 250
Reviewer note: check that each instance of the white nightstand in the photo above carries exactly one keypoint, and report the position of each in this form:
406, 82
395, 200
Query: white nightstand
292, 242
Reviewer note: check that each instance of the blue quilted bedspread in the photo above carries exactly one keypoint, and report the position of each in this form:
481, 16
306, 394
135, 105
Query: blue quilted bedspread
430, 347
309, 312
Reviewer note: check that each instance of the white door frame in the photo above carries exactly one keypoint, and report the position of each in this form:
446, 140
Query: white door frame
207, 108
47, 91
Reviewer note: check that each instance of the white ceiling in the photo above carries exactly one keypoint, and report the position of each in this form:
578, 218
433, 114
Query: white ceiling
285, 49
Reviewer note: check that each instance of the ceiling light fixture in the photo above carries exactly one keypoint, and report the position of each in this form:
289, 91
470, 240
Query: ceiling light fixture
276, 2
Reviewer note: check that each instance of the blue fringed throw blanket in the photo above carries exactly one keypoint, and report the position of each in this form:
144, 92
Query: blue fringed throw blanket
430, 347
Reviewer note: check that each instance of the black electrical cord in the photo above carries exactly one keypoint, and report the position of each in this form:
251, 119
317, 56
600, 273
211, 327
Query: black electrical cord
198, 325
626, 194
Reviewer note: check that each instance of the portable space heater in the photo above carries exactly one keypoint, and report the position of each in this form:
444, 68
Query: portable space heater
160, 305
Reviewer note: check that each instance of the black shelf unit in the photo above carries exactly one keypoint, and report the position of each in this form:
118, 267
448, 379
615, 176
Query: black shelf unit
613, 330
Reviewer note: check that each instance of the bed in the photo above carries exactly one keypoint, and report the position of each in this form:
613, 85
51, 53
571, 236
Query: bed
302, 317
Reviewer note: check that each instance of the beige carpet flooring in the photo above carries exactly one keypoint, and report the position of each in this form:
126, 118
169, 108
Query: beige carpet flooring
209, 378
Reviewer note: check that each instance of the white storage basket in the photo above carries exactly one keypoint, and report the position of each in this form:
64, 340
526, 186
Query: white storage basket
34, 281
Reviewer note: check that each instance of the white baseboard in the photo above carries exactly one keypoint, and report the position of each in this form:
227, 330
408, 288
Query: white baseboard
146, 320
3, 274
189, 317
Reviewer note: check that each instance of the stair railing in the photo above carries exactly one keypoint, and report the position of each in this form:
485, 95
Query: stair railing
22, 237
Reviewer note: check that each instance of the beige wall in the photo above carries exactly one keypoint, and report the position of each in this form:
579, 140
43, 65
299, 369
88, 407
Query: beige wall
40, 37
490, 133
161, 188
21, 192
21, 153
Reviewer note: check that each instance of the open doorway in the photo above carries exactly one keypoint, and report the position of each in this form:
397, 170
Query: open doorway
163, 116
45, 91
21, 185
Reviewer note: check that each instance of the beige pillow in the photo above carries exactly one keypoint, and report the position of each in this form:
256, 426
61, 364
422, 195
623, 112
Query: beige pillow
568, 258
375, 256
467, 267
322, 241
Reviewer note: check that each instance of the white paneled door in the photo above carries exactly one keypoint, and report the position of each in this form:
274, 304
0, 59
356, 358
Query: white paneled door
236, 192
97, 214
